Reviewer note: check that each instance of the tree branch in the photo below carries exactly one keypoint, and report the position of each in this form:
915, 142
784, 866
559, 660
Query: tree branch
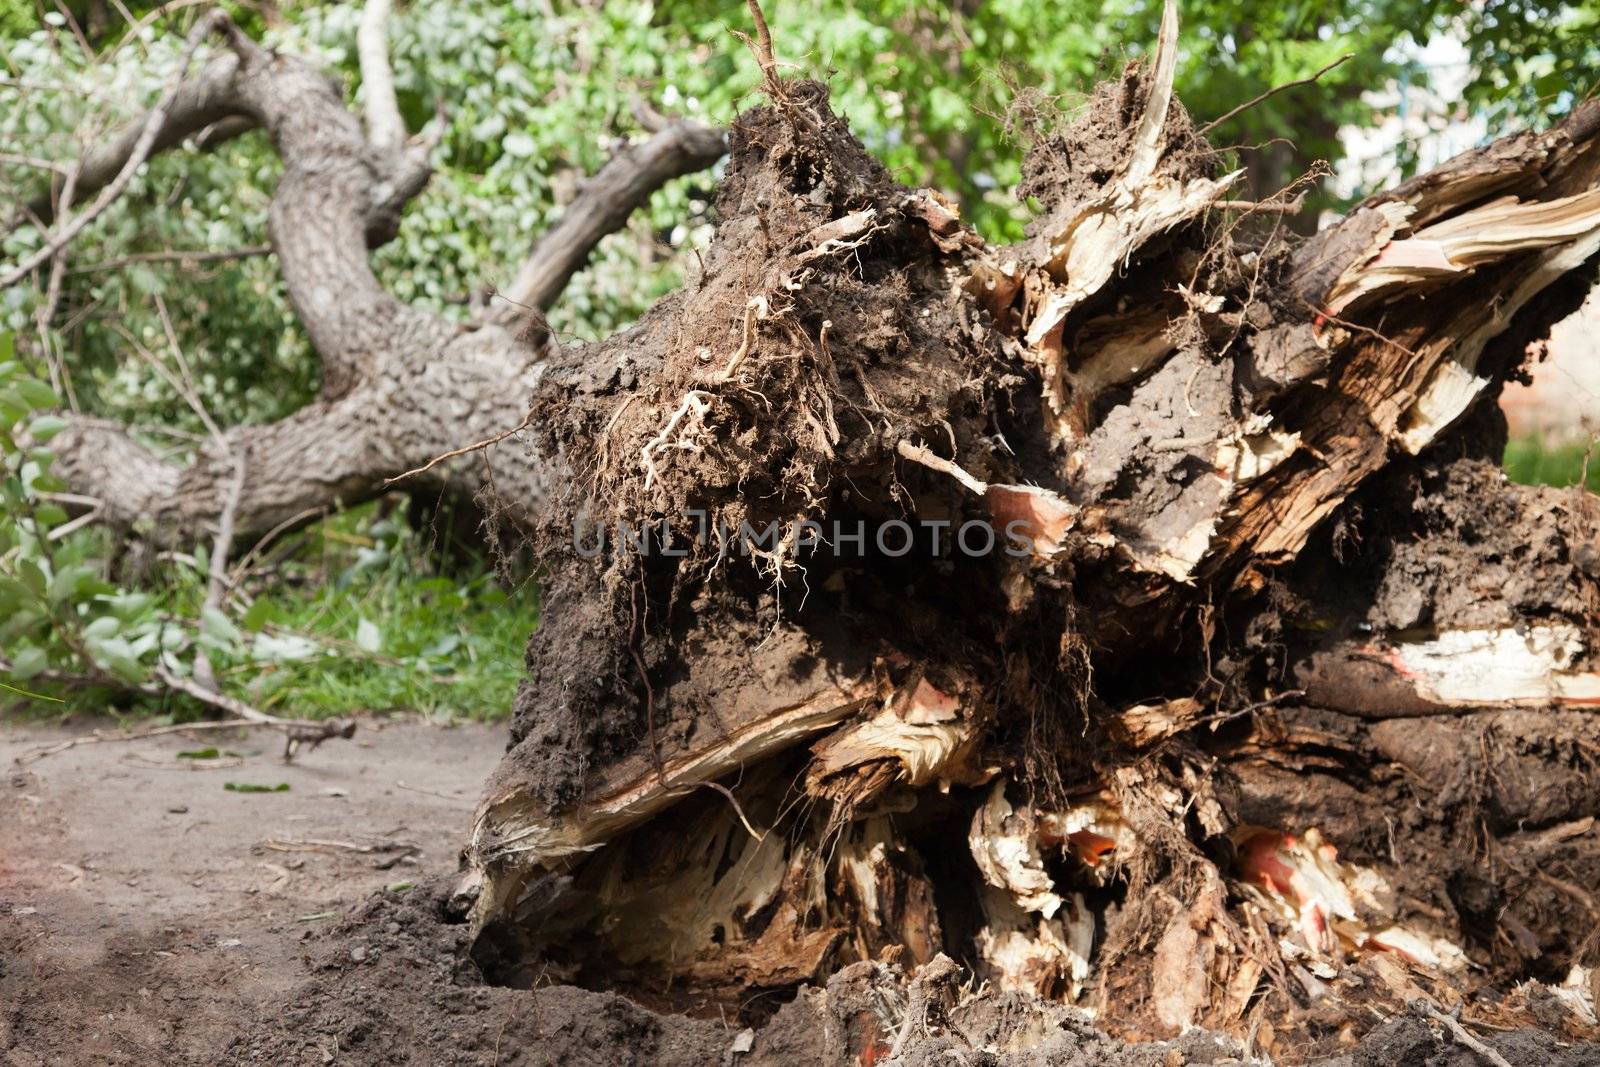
183, 257
204, 103
386, 130
324, 454
615, 192
1274, 91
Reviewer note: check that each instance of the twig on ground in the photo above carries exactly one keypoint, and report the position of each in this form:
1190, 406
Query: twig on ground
322, 844
207, 695
429, 792
1462, 1035
313, 844
295, 733
155, 731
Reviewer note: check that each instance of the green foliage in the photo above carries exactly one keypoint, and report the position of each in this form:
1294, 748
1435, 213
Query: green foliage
361, 618
356, 616
1533, 461
58, 616
1533, 58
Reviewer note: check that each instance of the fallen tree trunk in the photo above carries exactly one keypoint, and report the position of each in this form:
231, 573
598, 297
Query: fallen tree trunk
400, 387
1134, 614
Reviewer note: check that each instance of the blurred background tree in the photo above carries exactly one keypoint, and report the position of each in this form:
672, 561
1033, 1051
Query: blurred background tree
538, 93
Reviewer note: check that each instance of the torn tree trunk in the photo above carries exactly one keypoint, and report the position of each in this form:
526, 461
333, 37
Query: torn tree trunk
400, 386
1115, 554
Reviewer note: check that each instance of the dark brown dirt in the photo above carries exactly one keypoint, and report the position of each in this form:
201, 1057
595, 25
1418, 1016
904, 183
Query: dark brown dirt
849, 353
1458, 545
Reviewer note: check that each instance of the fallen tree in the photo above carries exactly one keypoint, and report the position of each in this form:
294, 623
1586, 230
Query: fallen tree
1242, 691
1134, 614
400, 386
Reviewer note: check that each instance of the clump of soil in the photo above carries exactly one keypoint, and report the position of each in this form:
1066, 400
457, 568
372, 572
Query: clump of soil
824, 328
394, 983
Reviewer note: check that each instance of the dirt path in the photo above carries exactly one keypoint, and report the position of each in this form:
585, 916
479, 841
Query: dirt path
145, 908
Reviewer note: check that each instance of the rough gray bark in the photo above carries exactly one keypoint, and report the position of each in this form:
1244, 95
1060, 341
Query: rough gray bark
400, 385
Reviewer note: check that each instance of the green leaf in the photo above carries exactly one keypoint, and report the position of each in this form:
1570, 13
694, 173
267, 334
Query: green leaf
129, 606
368, 636
36, 394
44, 427
12, 408
446, 644
248, 787
12, 593
49, 516
32, 577
280, 648
29, 662
69, 583
103, 628
199, 753
258, 615
214, 624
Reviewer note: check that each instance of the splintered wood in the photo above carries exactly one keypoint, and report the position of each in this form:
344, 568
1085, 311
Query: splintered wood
1259, 723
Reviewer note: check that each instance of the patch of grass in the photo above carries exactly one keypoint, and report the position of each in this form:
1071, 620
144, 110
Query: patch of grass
358, 613
364, 617
1531, 461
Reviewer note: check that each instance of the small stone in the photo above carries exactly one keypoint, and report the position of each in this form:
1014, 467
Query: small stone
179, 809
359, 953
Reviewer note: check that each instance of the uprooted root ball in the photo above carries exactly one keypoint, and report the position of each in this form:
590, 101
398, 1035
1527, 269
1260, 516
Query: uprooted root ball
1062, 607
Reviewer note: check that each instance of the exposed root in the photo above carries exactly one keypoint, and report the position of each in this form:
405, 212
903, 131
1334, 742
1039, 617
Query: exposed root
695, 402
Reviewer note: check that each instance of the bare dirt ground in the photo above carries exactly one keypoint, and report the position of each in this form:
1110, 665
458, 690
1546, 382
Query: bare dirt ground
145, 908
